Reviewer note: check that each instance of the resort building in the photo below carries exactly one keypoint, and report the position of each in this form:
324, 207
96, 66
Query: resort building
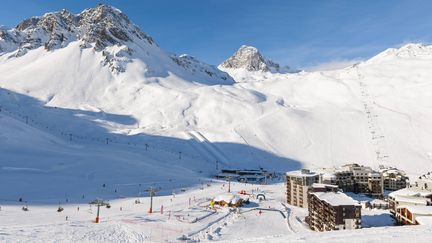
227, 199
333, 211
298, 183
354, 178
393, 178
410, 196
414, 215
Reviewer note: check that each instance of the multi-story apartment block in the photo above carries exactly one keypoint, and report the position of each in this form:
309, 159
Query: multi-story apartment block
333, 211
297, 184
393, 178
414, 215
355, 178
418, 194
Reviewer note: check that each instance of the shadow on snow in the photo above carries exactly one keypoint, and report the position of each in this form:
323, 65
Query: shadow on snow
67, 155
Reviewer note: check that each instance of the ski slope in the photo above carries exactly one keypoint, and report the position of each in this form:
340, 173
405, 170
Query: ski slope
81, 121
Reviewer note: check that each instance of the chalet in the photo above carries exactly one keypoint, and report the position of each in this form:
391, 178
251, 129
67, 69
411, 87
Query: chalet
333, 211
228, 199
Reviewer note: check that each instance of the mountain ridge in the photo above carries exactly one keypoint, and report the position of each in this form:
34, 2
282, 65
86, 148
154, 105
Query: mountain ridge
250, 59
104, 29
305, 116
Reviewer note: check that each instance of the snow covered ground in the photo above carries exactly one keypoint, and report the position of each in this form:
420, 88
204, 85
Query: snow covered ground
80, 121
186, 213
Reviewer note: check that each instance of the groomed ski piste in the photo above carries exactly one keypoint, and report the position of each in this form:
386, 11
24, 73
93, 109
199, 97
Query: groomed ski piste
181, 206
186, 216
80, 122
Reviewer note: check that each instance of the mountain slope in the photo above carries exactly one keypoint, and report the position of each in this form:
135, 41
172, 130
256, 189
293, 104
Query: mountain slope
99, 83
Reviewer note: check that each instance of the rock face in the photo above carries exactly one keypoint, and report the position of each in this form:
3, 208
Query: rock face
101, 26
195, 66
250, 59
98, 28
105, 29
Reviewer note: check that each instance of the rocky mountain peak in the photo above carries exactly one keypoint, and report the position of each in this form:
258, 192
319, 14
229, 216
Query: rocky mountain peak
250, 59
97, 27
106, 30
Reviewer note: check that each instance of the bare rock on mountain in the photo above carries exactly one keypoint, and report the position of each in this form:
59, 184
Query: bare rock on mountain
250, 59
197, 67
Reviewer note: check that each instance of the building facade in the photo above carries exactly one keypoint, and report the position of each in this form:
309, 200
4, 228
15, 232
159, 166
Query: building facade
419, 194
333, 211
298, 184
355, 178
393, 178
409, 215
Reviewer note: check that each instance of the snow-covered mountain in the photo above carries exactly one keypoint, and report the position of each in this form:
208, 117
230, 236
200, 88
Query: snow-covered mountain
250, 59
248, 64
103, 29
78, 84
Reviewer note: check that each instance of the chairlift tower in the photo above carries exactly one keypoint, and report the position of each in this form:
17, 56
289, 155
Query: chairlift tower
98, 203
152, 192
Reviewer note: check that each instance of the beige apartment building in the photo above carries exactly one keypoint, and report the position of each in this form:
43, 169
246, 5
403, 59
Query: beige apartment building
298, 183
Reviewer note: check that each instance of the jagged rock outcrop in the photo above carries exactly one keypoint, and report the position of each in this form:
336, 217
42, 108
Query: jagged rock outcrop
97, 28
195, 66
250, 59
107, 30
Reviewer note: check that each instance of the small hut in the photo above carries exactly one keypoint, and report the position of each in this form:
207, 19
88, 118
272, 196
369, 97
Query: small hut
228, 199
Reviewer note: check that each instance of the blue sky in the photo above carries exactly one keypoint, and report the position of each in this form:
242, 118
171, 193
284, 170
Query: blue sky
303, 33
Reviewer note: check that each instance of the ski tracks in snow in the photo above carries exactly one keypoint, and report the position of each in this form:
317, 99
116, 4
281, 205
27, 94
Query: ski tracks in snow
206, 147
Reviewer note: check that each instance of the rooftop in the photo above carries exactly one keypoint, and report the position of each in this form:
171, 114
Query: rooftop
321, 185
227, 197
336, 198
412, 199
422, 210
412, 192
302, 173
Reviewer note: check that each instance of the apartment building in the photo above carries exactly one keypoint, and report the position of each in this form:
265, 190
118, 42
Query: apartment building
333, 211
297, 184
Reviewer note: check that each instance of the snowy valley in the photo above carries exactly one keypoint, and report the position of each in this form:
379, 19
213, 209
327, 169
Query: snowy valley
91, 107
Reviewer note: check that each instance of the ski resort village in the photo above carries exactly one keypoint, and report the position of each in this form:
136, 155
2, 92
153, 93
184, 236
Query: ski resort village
107, 137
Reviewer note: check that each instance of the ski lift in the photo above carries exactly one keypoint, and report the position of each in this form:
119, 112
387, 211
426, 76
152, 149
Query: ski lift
60, 209
25, 208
